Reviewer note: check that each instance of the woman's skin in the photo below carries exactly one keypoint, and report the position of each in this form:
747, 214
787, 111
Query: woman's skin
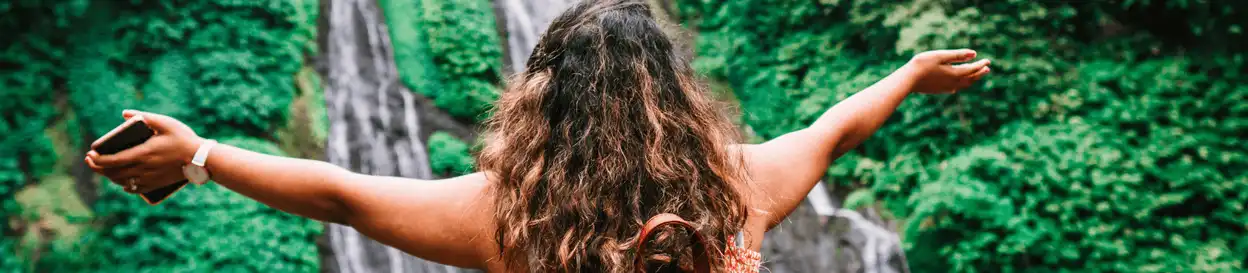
450, 221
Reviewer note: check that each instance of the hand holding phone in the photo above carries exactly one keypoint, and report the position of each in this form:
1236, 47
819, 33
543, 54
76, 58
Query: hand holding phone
131, 133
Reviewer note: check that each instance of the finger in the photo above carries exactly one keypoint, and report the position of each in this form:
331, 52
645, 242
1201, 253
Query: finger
970, 68
155, 180
100, 169
131, 189
124, 183
954, 55
159, 123
114, 173
121, 174
974, 77
126, 157
91, 163
978, 74
128, 172
127, 114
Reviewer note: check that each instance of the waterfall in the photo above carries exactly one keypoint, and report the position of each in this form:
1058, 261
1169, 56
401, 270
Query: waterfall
526, 20
375, 127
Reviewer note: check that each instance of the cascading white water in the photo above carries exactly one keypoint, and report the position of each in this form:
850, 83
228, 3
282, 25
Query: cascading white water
375, 128
526, 20
878, 249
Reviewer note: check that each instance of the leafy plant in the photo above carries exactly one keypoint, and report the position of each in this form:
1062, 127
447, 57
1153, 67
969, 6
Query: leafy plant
1072, 82
227, 68
448, 156
448, 50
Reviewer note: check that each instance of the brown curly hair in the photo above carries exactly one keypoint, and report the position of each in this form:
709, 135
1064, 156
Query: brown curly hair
607, 127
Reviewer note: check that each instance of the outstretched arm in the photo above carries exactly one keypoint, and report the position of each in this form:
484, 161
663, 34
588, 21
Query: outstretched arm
436, 220
787, 167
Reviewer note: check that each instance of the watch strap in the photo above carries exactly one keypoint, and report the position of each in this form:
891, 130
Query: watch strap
201, 155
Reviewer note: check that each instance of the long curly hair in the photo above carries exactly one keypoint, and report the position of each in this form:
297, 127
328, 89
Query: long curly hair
607, 127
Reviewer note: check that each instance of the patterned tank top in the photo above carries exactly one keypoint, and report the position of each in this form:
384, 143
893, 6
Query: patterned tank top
738, 258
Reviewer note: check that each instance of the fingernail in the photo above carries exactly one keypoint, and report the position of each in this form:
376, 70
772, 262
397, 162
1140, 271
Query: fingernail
92, 153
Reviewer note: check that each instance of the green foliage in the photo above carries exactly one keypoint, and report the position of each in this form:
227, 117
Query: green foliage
9, 262
448, 50
29, 69
858, 199
54, 218
1162, 98
1074, 198
412, 55
227, 68
203, 228
448, 156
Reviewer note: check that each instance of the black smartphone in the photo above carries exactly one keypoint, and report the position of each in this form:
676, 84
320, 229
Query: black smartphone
127, 135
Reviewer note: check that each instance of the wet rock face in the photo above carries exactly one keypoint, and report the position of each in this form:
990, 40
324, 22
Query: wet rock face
819, 237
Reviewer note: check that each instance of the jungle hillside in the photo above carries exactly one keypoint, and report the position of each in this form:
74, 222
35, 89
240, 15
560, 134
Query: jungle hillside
1110, 136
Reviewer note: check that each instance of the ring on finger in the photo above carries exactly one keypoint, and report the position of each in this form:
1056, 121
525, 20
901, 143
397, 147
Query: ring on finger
132, 183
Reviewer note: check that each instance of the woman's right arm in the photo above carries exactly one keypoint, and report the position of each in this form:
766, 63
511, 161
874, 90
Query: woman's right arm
445, 221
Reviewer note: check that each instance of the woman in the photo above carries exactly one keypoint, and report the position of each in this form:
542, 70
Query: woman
606, 128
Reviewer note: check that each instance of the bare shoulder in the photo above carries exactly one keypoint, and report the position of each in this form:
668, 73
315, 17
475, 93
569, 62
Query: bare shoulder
782, 171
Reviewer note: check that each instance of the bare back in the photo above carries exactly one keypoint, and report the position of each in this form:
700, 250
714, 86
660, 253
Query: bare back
455, 222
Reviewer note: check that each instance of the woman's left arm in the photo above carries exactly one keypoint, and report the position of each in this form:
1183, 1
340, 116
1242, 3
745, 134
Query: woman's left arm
788, 166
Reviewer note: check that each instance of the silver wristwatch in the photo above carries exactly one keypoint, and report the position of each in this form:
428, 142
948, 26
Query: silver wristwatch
195, 172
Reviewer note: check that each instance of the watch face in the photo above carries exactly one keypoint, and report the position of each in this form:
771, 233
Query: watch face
195, 174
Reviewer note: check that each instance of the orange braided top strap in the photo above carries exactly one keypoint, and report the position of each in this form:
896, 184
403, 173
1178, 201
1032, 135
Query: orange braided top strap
701, 260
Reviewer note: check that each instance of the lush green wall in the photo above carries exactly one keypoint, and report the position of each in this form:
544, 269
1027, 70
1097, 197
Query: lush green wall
227, 68
1109, 136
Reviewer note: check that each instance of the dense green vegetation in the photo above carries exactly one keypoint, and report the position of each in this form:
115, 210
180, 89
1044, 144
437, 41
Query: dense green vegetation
232, 70
1108, 138
448, 156
227, 68
448, 50
29, 70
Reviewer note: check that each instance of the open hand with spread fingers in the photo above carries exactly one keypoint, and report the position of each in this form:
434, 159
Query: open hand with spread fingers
153, 164
945, 71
